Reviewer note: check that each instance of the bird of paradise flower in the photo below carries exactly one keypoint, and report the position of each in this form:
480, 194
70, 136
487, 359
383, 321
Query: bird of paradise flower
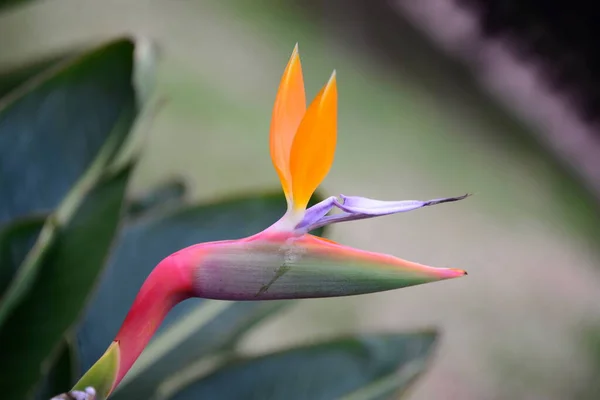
284, 261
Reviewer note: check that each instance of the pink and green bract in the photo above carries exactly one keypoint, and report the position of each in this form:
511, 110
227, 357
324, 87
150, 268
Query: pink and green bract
284, 261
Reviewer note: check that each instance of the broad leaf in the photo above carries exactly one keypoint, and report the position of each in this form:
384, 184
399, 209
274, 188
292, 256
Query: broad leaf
332, 370
52, 98
61, 375
13, 77
207, 328
16, 238
32, 332
52, 128
169, 194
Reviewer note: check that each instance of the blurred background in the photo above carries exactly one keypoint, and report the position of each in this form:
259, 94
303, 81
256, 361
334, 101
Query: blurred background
430, 105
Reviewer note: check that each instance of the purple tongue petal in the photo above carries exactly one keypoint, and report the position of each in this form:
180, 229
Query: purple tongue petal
355, 208
370, 207
316, 213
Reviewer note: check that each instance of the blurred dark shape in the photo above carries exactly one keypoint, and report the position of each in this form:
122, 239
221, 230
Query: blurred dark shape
561, 36
7, 4
168, 194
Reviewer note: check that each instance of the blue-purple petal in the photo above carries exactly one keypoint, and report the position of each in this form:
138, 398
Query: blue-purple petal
316, 213
355, 208
363, 205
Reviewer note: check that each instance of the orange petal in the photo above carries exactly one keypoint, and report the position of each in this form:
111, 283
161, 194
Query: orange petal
289, 108
314, 145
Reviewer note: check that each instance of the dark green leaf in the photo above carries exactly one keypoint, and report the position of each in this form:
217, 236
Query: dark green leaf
52, 128
145, 242
169, 194
21, 284
16, 239
207, 328
61, 375
16, 76
325, 371
5, 4
33, 331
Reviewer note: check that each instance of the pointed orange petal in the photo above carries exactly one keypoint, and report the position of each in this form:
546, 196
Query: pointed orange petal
314, 145
289, 108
